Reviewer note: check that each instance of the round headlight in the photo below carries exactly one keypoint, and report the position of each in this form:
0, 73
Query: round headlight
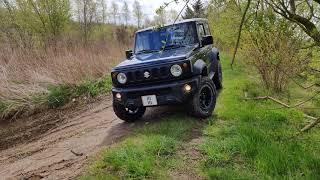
122, 78
176, 70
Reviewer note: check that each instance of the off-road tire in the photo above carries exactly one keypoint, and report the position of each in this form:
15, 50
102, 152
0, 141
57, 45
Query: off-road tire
195, 106
217, 79
123, 113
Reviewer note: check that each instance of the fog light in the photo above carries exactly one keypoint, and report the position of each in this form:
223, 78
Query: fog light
187, 88
118, 96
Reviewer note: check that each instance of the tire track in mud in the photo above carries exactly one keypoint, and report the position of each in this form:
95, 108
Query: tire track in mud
50, 155
64, 151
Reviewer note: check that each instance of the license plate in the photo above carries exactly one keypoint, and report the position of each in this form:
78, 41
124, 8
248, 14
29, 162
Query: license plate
150, 100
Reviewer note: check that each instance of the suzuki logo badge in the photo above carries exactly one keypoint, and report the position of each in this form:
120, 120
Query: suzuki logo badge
146, 74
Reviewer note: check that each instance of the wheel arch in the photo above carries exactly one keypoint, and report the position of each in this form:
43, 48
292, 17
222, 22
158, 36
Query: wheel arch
214, 56
200, 68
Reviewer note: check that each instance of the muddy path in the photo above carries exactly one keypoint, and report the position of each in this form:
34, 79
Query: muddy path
60, 144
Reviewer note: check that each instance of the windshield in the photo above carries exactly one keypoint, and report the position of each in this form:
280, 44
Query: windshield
179, 35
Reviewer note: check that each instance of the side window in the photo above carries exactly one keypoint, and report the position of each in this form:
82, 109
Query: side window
201, 30
207, 29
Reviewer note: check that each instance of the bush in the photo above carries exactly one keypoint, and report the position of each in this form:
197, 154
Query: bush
273, 50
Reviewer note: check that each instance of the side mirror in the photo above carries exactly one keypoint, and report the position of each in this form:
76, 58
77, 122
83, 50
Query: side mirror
129, 54
207, 40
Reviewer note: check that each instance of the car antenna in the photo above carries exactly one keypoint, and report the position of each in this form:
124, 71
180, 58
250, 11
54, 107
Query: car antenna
174, 22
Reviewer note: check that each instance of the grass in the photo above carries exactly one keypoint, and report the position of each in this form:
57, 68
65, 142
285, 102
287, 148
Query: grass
37, 78
245, 140
148, 154
253, 140
55, 97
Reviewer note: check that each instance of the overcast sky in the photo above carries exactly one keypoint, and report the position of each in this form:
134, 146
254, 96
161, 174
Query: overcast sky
150, 6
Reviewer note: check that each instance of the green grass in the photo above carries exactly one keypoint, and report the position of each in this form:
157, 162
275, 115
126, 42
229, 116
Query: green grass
148, 154
57, 96
246, 139
60, 95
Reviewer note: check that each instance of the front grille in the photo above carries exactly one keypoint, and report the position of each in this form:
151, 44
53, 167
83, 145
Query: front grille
154, 74
157, 73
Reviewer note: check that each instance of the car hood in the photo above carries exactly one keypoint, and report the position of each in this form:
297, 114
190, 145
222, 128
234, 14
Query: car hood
156, 58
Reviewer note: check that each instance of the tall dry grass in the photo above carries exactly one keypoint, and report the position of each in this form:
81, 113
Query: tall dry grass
26, 74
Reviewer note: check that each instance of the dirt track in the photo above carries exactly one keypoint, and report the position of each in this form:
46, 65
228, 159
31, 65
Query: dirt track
60, 147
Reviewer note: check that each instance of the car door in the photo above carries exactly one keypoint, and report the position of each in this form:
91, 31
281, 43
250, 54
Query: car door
203, 53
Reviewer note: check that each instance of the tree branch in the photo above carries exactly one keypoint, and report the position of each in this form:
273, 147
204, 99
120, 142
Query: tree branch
239, 32
311, 125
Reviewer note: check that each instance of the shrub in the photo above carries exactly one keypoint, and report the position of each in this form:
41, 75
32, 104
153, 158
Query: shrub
273, 50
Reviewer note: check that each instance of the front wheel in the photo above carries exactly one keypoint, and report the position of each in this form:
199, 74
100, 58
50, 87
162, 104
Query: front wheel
128, 114
203, 102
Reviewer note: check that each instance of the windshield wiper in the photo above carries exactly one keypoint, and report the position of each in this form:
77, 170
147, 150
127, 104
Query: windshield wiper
173, 46
144, 51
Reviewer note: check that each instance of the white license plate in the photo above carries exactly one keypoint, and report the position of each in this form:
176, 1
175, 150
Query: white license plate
150, 100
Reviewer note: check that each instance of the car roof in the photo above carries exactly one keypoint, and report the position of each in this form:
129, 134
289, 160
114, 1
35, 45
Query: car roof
179, 22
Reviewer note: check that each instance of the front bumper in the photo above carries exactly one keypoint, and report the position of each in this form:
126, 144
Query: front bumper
166, 93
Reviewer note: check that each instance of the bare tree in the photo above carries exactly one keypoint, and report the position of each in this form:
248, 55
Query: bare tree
137, 12
295, 11
126, 12
103, 6
147, 22
114, 11
87, 11
240, 31
161, 17
172, 15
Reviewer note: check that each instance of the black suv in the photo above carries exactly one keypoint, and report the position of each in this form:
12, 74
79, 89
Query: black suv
174, 64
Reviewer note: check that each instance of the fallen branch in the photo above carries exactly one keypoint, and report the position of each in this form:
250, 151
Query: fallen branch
306, 128
310, 117
77, 154
271, 98
311, 125
305, 87
282, 103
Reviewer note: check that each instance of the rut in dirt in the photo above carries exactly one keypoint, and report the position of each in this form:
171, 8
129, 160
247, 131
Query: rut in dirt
59, 144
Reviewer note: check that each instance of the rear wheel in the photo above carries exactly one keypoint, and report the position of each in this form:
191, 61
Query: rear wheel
131, 114
204, 101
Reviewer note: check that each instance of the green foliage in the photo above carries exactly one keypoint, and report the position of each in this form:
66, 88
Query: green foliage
250, 141
224, 23
59, 96
272, 48
94, 88
148, 154
39, 21
3, 107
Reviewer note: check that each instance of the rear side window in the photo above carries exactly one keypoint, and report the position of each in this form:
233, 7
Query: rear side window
207, 29
201, 30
